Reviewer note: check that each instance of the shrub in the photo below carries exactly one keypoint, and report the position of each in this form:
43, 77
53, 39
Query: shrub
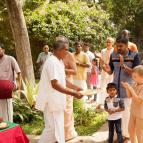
75, 20
23, 112
84, 116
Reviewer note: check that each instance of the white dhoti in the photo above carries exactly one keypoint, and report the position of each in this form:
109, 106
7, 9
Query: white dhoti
6, 109
126, 117
54, 127
105, 79
69, 117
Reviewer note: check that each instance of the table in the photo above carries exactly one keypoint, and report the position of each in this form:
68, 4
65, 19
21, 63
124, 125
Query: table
13, 134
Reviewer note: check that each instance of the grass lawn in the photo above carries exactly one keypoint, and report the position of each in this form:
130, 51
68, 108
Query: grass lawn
97, 122
33, 128
36, 127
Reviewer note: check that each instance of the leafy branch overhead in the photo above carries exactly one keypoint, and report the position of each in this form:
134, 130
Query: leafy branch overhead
76, 20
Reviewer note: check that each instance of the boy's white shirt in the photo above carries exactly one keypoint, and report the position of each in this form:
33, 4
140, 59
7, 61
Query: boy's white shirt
114, 116
52, 69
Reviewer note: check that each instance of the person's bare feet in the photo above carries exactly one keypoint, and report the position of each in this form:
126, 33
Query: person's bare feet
127, 140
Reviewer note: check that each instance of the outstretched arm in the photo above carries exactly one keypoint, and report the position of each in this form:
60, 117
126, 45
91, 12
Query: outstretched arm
60, 88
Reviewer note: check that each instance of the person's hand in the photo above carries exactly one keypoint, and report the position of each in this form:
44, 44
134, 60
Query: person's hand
110, 111
78, 63
79, 89
121, 60
113, 111
125, 84
107, 68
78, 95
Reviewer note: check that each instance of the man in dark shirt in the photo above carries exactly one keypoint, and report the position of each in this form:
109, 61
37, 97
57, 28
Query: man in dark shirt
121, 64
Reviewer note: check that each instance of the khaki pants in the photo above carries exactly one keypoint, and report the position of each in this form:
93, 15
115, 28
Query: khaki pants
136, 129
69, 119
6, 109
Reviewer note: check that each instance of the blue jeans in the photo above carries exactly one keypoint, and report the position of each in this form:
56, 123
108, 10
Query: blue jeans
117, 125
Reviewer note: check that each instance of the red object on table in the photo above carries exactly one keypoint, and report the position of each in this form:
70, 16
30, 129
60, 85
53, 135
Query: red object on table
13, 135
1, 119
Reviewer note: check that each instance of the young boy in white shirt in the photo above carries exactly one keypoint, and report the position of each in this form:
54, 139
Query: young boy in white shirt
114, 106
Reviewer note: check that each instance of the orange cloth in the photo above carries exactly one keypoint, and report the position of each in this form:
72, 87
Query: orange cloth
70, 132
131, 47
69, 118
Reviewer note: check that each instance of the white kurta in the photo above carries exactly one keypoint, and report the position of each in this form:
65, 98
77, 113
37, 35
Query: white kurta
51, 101
105, 77
42, 58
8, 68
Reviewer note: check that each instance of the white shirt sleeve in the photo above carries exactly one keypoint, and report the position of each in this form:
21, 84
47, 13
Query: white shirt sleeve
53, 71
39, 58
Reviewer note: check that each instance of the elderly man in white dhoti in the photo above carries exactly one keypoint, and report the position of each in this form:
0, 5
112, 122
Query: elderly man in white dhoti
70, 70
51, 98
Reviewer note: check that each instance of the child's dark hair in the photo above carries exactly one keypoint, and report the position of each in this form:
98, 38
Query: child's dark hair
111, 85
95, 60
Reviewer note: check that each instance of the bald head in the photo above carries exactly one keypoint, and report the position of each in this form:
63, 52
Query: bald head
62, 39
126, 33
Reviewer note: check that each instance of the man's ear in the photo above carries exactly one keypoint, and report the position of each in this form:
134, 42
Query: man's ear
4, 50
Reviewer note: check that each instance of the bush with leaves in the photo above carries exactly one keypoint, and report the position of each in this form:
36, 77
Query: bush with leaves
24, 102
23, 112
76, 20
84, 116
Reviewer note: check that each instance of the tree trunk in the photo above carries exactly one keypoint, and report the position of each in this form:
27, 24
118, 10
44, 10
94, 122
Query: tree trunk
21, 38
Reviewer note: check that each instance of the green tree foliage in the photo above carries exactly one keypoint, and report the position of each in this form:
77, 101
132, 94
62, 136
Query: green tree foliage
48, 19
126, 14
5, 30
75, 20
32, 4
